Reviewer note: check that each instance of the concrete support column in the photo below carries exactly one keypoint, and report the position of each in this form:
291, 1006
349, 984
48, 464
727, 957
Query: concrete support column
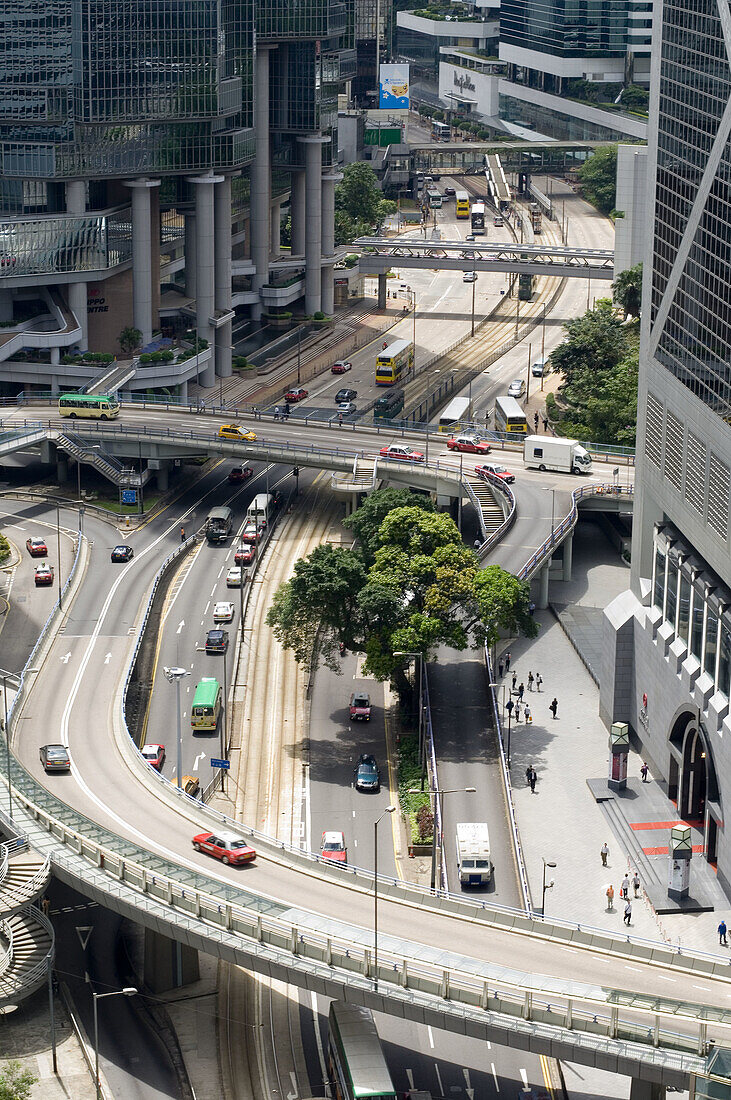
6, 305
62, 468
168, 964
568, 557
381, 291
161, 477
55, 356
190, 255
261, 182
329, 180
183, 390
205, 269
299, 214
77, 295
313, 226
142, 255
222, 198
543, 591
645, 1090
327, 293
276, 231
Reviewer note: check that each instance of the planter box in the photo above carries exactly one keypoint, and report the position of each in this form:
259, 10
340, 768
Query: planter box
420, 850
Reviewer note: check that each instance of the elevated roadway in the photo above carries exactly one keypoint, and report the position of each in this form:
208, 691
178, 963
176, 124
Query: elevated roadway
380, 253
130, 847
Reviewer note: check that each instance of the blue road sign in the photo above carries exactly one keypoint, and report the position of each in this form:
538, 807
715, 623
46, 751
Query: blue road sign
129, 496
220, 764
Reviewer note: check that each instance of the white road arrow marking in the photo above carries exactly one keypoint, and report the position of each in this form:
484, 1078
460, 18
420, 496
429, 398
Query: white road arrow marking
181, 624
468, 1084
107, 658
295, 1091
200, 756
65, 658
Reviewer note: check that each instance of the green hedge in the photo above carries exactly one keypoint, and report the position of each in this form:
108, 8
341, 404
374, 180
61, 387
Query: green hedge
409, 775
4, 548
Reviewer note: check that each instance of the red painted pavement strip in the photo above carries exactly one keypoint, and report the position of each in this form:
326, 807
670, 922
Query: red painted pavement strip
640, 825
698, 849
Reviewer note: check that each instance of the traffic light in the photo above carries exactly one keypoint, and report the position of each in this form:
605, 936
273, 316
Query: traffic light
296, 471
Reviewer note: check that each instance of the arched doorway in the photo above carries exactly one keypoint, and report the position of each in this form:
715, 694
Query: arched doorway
692, 782
694, 778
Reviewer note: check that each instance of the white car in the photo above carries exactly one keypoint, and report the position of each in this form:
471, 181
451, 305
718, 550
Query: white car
223, 612
516, 388
235, 577
346, 407
469, 277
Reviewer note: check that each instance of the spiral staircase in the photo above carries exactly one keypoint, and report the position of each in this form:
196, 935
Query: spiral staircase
26, 934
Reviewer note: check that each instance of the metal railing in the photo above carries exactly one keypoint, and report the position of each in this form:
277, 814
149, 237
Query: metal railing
26, 981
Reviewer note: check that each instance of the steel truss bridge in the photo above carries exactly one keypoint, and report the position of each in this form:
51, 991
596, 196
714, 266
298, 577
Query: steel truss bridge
379, 254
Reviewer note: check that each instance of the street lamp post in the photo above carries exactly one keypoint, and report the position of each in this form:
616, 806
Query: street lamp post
128, 991
474, 280
224, 721
174, 676
58, 545
546, 886
388, 810
552, 490
543, 344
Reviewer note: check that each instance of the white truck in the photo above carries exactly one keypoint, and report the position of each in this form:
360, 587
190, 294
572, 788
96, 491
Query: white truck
474, 864
548, 452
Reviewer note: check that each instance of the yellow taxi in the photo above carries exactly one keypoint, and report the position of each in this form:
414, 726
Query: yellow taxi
233, 431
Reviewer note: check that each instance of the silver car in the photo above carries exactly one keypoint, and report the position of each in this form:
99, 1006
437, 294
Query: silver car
516, 388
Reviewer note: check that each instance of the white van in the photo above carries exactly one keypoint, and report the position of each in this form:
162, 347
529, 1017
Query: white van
474, 863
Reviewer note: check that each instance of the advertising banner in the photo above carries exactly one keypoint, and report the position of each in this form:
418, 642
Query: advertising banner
394, 87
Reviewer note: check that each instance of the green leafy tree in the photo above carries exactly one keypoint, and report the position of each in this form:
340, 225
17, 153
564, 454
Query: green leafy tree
365, 522
596, 341
502, 605
598, 177
16, 1081
358, 194
627, 290
386, 209
130, 339
635, 98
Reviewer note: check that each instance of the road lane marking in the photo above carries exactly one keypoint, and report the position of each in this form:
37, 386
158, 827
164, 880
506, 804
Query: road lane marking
494, 1074
526, 1086
439, 1078
431, 1036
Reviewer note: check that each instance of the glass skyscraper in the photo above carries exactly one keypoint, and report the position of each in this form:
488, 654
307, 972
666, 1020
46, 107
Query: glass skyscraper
668, 666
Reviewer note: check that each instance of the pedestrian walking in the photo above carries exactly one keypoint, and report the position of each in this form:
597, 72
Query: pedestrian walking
625, 887
531, 680
340, 419
604, 851
507, 661
531, 775
500, 667
182, 534
531, 609
545, 423
528, 715
509, 706
46, 905
535, 420
628, 912
515, 680
477, 544
643, 772
517, 711
610, 897
636, 884
521, 689
553, 706
722, 941
539, 681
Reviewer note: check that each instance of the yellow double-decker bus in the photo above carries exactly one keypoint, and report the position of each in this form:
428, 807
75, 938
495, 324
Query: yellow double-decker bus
462, 201
394, 360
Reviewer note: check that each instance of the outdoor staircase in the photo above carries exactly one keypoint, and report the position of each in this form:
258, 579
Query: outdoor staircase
26, 935
107, 465
492, 514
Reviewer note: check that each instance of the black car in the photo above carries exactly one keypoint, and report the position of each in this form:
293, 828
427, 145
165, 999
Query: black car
216, 641
122, 553
346, 395
55, 758
367, 776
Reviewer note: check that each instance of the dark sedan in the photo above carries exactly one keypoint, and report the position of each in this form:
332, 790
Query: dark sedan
55, 758
367, 776
122, 553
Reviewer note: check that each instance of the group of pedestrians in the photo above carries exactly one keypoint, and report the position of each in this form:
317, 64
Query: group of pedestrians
627, 882
517, 708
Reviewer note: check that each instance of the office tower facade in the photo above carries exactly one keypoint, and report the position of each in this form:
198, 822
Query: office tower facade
668, 658
143, 146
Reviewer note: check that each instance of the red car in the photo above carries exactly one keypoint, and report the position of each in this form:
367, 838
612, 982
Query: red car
224, 846
245, 555
154, 755
298, 393
333, 847
43, 576
400, 451
341, 366
36, 548
251, 533
488, 468
240, 473
471, 444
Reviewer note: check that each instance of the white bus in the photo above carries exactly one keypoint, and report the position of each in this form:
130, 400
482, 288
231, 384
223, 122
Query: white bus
434, 197
441, 131
261, 508
457, 414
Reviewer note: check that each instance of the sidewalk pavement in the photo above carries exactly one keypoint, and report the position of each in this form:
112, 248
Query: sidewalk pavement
562, 822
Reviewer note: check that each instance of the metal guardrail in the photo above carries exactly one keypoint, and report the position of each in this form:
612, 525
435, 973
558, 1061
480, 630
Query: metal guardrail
508, 787
29, 980
6, 958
